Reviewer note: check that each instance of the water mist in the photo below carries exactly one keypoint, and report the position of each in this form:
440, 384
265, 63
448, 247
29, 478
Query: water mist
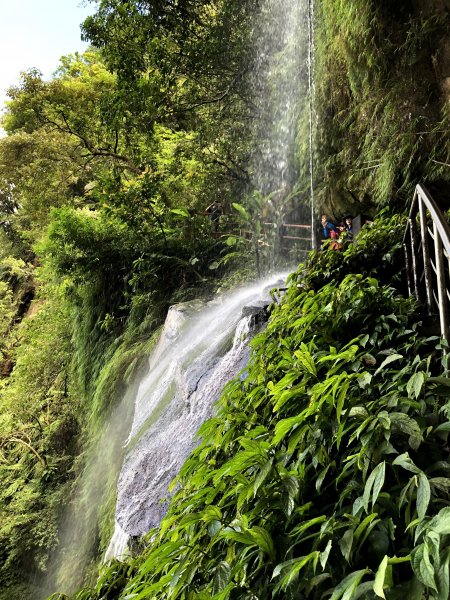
281, 90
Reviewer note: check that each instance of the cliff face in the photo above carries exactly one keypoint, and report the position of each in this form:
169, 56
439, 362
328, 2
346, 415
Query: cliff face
382, 98
441, 44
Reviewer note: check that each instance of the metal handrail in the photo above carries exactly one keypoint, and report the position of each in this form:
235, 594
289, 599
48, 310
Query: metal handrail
427, 278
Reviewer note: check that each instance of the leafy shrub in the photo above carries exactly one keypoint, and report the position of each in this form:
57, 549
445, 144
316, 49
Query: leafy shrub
324, 470
377, 251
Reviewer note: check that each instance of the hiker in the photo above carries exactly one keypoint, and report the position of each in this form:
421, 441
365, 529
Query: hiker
341, 228
328, 228
330, 233
349, 226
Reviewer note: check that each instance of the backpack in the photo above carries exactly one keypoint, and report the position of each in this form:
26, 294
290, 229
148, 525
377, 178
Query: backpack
333, 234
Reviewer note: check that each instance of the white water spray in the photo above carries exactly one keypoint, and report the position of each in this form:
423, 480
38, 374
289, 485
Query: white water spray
199, 351
281, 82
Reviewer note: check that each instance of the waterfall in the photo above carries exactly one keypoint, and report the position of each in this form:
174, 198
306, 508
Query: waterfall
280, 84
151, 431
275, 82
201, 348
310, 96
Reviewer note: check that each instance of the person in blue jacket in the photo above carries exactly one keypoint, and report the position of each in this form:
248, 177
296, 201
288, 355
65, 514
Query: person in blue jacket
329, 230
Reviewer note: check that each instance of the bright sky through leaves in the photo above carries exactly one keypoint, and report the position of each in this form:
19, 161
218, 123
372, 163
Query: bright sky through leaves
36, 33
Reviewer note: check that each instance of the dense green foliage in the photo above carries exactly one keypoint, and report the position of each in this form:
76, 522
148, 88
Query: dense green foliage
382, 100
325, 470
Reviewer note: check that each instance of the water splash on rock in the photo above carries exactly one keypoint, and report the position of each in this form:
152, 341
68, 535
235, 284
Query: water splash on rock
198, 353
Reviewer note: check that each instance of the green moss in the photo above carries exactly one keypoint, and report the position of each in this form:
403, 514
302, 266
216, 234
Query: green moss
381, 109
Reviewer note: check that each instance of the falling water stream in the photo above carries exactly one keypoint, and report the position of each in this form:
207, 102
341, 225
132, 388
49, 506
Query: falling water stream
281, 83
201, 348
278, 81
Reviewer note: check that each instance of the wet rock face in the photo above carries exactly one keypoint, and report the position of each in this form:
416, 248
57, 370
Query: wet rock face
162, 444
259, 311
201, 348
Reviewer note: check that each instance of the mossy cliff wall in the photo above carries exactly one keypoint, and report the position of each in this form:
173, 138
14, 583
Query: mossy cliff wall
382, 92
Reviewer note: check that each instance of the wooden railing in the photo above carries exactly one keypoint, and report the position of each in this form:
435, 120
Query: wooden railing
426, 245
286, 233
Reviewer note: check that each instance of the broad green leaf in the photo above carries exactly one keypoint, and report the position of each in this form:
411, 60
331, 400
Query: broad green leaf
358, 505
264, 540
423, 569
241, 210
262, 476
345, 544
243, 537
363, 340
380, 577
445, 427
182, 212
224, 594
343, 388
432, 542
306, 525
367, 522
358, 411
443, 576
305, 360
441, 483
347, 586
284, 383
363, 591
379, 481
315, 581
441, 522
238, 464
423, 495
387, 361
402, 422
212, 513
283, 427
374, 484
221, 577
325, 554
231, 240
321, 476
415, 384
405, 461
295, 567
214, 527
365, 379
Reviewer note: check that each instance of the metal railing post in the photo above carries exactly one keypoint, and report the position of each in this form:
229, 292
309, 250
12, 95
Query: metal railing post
442, 291
426, 256
408, 270
415, 274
